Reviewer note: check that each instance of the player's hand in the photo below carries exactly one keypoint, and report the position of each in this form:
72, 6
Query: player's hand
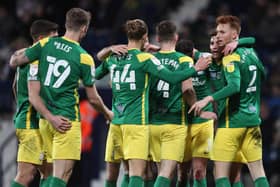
199, 105
119, 49
230, 47
203, 63
151, 48
208, 115
60, 123
109, 116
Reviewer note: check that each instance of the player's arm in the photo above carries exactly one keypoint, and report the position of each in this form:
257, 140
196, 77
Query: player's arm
232, 75
15, 86
88, 74
101, 70
27, 55
18, 58
246, 41
107, 51
96, 101
152, 65
60, 123
242, 42
188, 92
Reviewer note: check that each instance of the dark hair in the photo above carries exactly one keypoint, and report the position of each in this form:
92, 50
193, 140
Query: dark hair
212, 32
135, 29
42, 27
185, 47
233, 21
166, 30
76, 18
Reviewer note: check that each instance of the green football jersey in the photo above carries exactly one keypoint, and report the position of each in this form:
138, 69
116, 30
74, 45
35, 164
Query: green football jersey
130, 77
201, 85
243, 70
62, 63
26, 116
217, 82
166, 101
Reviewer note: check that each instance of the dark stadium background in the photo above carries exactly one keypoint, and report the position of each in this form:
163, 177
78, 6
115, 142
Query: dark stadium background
260, 18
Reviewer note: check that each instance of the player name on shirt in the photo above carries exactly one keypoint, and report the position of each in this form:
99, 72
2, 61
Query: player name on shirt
170, 62
62, 46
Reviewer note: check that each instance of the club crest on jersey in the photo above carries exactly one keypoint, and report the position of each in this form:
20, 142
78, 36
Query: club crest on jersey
230, 67
33, 71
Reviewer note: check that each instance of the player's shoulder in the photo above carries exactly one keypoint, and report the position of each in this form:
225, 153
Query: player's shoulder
43, 41
143, 56
182, 58
85, 57
234, 57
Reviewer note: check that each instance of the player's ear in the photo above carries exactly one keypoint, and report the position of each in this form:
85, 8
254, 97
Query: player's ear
235, 35
157, 39
176, 37
84, 28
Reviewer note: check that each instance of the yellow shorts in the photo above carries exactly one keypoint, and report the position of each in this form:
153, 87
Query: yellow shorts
30, 147
135, 141
229, 141
114, 144
199, 140
239, 158
61, 146
167, 142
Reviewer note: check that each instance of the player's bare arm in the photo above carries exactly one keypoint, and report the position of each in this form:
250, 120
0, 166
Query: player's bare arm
151, 48
107, 51
199, 105
14, 86
188, 91
18, 58
190, 98
96, 101
60, 123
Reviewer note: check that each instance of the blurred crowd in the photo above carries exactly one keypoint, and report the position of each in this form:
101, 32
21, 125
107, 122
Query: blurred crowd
260, 19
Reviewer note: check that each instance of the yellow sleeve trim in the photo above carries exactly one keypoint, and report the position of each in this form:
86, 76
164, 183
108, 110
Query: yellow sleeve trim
44, 41
87, 59
185, 59
143, 57
230, 58
35, 62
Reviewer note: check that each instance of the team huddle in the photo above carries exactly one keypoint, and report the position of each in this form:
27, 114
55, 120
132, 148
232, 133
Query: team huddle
167, 102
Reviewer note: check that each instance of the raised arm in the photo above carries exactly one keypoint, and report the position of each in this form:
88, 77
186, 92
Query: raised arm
154, 67
107, 51
18, 58
242, 42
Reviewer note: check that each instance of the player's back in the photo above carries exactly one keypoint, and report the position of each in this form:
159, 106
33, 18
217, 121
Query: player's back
62, 63
130, 87
166, 102
251, 72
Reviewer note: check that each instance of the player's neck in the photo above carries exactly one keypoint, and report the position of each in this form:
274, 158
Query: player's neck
167, 46
134, 44
75, 36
